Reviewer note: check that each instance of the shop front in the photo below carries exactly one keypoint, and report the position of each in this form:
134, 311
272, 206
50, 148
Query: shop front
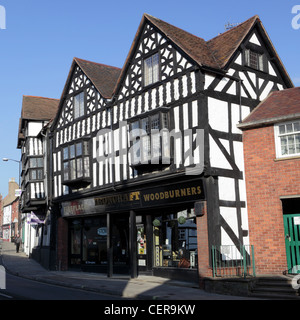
149, 230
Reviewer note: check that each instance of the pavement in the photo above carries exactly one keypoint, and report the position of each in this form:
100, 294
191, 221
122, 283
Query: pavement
142, 288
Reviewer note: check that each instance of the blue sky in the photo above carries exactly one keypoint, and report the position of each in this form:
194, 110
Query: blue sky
42, 37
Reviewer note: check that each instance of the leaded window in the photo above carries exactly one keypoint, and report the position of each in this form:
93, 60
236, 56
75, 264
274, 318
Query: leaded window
254, 60
76, 161
79, 105
150, 140
151, 69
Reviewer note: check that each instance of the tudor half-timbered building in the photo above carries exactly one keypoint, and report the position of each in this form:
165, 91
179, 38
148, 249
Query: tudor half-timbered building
36, 114
148, 168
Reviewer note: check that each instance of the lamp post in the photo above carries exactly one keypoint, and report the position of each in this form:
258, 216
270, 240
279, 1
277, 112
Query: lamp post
7, 159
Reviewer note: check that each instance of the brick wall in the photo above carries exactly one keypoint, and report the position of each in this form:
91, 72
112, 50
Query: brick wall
267, 179
62, 244
203, 247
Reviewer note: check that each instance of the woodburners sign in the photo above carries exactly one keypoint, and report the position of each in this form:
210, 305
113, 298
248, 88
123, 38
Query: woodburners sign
144, 198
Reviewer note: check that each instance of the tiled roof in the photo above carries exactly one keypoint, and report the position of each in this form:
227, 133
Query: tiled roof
214, 54
36, 108
224, 45
277, 107
194, 46
103, 77
39, 108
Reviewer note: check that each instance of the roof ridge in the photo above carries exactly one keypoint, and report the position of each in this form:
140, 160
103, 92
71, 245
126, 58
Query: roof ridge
39, 97
93, 62
159, 20
234, 28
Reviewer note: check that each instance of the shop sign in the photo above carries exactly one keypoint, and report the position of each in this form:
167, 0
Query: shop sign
80, 207
150, 197
144, 198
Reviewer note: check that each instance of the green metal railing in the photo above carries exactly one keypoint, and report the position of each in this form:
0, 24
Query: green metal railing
232, 261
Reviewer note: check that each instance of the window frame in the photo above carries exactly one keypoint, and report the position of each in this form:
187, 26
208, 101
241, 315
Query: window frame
74, 175
157, 76
81, 111
164, 123
278, 136
260, 56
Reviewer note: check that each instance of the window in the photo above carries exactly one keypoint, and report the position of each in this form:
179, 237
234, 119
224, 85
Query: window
254, 60
37, 174
287, 139
151, 69
150, 138
79, 105
76, 162
175, 240
36, 162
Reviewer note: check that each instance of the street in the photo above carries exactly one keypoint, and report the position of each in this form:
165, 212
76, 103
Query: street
18, 288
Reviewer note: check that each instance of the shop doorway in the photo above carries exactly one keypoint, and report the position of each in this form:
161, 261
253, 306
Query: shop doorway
120, 243
88, 244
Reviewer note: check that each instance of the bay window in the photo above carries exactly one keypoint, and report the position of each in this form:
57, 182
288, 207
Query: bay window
76, 163
150, 140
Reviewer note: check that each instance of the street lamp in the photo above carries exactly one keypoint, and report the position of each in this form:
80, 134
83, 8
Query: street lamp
7, 159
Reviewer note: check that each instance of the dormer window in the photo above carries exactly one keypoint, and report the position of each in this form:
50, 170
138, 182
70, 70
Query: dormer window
151, 69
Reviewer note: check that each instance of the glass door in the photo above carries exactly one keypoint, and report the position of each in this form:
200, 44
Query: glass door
120, 243
94, 244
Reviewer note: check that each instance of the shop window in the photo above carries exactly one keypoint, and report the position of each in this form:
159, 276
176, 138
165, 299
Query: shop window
76, 164
150, 141
287, 139
175, 240
88, 242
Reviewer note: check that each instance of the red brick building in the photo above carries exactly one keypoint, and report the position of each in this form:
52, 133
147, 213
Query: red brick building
271, 135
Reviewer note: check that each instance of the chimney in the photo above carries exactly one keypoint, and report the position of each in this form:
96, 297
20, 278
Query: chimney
12, 186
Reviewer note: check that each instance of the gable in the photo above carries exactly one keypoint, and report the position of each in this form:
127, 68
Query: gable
95, 80
171, 61
257, 40
79, 82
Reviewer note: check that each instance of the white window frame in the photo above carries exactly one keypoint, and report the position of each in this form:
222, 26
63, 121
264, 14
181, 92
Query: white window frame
151, 69
279, 135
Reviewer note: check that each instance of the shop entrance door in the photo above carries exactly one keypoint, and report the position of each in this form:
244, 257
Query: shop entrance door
292, 241
120, 243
